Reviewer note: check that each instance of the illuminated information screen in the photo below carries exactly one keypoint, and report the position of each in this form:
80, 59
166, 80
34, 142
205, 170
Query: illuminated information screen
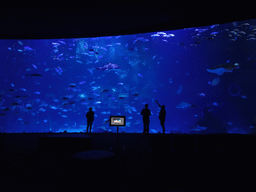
117, 121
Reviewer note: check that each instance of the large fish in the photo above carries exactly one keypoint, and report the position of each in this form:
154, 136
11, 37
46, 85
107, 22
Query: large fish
34, 75
220, 69
198, 128
184, 105
108, 66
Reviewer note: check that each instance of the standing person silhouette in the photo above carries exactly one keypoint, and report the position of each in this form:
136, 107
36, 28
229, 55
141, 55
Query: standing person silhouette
90, 119
162, 115
146, 112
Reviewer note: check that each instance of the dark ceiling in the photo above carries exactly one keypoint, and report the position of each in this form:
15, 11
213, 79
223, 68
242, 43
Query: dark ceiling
104, 19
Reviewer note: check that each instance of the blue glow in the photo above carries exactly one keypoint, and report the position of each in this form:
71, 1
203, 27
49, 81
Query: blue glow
49, 84
81, 96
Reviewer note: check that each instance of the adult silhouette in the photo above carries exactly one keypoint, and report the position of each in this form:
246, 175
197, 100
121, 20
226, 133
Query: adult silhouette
145, 112
90, 119
162, 115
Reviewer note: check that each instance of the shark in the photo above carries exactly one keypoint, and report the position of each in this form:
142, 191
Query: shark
108, 67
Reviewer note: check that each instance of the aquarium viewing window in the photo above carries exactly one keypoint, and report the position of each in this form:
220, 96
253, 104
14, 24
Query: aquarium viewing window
204, 76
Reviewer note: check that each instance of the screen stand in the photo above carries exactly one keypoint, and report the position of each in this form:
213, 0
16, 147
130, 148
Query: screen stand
117, 140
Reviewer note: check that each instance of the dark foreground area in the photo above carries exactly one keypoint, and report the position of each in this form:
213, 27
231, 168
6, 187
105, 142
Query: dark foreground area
126, 162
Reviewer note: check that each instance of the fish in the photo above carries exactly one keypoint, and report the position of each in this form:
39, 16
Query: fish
198, 128
215, 81
155, 35
201, 94
72, 85
104, 90
220, 69
28, 105
215, 104
214, 33
82, 82
27, 48
78, 61
179, 90
108, 67
105, 112
42, 109
34, 75
62, 42
140, 75
243, 96
183, 105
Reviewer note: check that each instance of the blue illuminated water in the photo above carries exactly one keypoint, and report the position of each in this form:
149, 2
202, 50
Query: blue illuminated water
49, 85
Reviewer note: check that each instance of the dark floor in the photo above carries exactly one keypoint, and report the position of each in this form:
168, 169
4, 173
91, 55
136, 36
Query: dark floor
138, 164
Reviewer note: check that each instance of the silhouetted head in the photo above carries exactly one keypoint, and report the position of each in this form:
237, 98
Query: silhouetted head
146, 105
90, 109
163, 107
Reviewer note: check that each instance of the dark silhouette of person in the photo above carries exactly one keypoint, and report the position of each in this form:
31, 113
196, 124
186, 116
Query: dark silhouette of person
146, 112
90, 119
162, 115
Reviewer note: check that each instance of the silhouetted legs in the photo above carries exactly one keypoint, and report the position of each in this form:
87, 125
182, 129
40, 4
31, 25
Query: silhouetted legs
162, 124
89, 124
146, 127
